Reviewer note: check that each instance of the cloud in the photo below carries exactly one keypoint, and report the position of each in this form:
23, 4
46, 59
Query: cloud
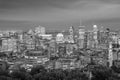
59, 12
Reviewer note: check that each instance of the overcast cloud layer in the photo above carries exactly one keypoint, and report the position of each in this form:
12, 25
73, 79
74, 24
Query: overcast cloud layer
58, 14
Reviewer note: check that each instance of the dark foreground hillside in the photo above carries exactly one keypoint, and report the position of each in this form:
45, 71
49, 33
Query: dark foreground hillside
40, 73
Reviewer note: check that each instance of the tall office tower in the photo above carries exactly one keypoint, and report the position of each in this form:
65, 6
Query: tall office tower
71, 36
95, 36
115, 38
110, 55
108, 37
89, 39
85, 40
81, 37
40, 30
102, 38
100, 35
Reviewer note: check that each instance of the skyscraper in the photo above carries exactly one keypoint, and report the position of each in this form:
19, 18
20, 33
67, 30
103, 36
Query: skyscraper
81, 37
71, 36
110, 55
95, 36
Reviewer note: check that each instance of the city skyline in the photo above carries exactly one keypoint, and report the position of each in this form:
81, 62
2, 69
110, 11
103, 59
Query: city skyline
58, 14
59, 40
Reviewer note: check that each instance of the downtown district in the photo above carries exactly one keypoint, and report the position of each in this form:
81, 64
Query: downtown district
69, 49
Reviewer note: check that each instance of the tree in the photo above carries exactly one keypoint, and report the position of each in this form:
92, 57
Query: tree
115, 69
37, 69
4, 73
2, 54
21, 75
77, 75
101, 73
5, 78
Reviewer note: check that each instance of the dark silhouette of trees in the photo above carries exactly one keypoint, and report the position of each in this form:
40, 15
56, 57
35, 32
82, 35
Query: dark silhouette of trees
40, 73
116, 69
2, 54
38, 69
21, 75
101, 73
115, 72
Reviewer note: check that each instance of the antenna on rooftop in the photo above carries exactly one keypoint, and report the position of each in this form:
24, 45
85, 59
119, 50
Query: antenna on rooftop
81, 25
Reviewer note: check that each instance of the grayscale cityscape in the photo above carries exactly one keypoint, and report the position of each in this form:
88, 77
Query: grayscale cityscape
59, 40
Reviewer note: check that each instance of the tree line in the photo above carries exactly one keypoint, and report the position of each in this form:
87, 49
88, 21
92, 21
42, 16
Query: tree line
40, 73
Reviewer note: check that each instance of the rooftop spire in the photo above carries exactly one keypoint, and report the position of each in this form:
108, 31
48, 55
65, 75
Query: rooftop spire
81, 27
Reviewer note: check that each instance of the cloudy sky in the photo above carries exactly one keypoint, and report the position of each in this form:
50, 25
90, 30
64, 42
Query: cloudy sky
59, 14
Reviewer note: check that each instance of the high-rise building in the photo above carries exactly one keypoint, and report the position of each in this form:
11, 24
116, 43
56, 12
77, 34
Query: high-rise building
115, 38
71, 36
81, 37
101, 36
110, 55
60, 38
108, 37
85, 40
102, 39
71, 30
9, 44
89, 39
40, 30
95, 36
